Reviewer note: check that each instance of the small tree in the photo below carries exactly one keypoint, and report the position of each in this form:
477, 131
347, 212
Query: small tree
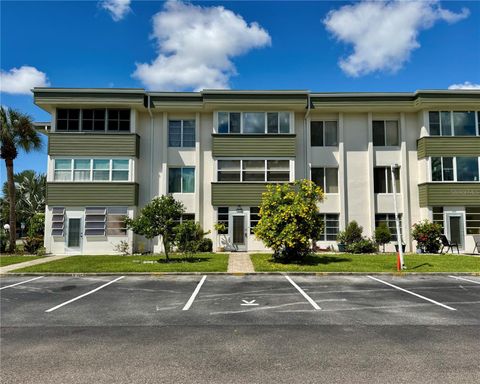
427, 235
383, 235
189, 237
351, 234
158, 218
289, 218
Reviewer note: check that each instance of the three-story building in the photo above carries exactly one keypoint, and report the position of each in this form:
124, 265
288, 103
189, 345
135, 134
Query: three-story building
110, 151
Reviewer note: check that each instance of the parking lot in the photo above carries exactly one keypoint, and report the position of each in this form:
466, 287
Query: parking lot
267, 320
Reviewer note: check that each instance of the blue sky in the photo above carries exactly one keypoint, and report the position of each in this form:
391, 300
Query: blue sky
321, 46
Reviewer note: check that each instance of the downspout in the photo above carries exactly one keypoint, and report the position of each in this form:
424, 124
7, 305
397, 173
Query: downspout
305, 139
150, 178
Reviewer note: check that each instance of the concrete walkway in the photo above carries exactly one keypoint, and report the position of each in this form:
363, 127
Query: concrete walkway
42, 260
239, 262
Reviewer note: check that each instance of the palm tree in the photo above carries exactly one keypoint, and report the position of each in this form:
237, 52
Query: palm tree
17, 132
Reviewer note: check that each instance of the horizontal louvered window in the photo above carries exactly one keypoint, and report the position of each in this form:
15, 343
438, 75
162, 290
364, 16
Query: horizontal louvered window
58, 221
95, 219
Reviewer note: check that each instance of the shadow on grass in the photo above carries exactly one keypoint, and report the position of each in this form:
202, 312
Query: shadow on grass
314, 260
421, 265
181, 260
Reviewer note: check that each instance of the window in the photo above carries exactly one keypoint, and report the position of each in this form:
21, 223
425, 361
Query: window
95, 218
455, 169
254, 218
181, 180
93, 120
437, 213
116, 221
323, 133
253, 170
389, 220
456, 123
253, 122
63, 170
222, 217
68, 120
326, 178
385, 133
473, 220
58, 221
382, 180
181, 133
330, 226
118, 119
85, 170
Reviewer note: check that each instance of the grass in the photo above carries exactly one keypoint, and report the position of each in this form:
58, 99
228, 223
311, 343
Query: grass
369, 263
202, 262
8, 260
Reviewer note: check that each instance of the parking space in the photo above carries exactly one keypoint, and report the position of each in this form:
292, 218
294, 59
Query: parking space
235, 300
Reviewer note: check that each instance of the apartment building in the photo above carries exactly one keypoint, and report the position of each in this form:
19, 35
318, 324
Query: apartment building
110, 151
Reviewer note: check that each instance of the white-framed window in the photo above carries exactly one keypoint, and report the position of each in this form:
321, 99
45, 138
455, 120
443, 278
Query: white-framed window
382, 180
181, 133
93, 120
325, 178
473, 220
254, 218
324, 133
454, 123
58, 221
385, 133
222, 218
330, 226
389, 220
254, 122
181, 180
91, 170
457, 169
253, 170
116, 221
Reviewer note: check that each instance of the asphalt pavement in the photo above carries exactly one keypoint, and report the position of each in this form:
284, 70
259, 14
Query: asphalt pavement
240, 329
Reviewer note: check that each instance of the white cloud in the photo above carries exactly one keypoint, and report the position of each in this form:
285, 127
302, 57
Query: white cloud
118, 8
383, 34
196, 45
22, 80
465, 85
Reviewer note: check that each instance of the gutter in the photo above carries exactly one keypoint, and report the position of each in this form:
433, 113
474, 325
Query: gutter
305, 140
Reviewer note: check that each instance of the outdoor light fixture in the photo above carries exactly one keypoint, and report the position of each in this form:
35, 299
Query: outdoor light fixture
400, 263
6, 227
239, 209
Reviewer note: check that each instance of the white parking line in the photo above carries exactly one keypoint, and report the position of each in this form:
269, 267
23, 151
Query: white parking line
309, 299
85, 294
194, 294
462, 278
413, 293
22, 282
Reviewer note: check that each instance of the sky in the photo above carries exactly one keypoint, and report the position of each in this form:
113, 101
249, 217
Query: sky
322, 46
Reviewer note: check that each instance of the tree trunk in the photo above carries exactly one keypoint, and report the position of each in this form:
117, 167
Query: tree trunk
165, 247
11, 198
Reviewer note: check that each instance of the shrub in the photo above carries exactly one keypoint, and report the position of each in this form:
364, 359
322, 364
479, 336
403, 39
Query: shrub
3, 240
289, 219
383, 235
189, 237
42, 251
36, 225
364, 245
427, 235
206, 245
351, 234
31, 244
122, 247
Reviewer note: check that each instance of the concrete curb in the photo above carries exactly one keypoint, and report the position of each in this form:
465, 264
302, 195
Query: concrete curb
399, 274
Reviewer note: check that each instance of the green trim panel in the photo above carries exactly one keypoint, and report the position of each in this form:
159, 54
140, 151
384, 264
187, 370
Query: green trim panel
81, 144
453, 194
231, 145
448, 146
84, 194
233, 194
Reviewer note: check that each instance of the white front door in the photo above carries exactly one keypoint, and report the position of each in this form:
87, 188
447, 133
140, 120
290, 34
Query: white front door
454, 228
74, 238
239, 232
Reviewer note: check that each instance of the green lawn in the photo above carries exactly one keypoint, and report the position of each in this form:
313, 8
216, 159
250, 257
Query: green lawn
369, 263
202, 262
7, 260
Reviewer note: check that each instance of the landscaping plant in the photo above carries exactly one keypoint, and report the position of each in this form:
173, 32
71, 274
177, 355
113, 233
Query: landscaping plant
365, 245
427, 235
189, 237
289, 219
34, 239
351, 234
158, 218
383, 235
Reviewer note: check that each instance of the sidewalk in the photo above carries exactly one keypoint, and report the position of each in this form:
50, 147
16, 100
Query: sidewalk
46, 259
239, 262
